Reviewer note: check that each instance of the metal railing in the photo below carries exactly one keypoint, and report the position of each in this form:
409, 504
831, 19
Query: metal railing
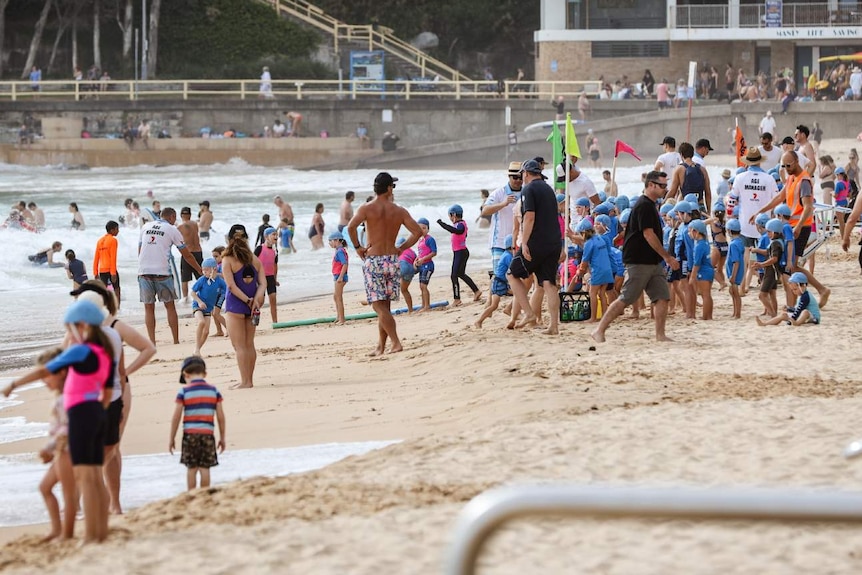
375, 38
293, 89
489, 511
754, 16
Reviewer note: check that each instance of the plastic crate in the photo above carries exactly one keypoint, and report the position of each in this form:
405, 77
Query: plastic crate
574, 306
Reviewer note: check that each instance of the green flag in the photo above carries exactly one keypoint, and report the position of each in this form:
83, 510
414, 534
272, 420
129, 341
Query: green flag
572, 147
556, 139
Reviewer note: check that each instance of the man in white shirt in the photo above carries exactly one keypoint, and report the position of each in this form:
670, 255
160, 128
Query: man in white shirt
580, 185
771, 154
154, 272
500, 206
702, 148
767, 124
669, 160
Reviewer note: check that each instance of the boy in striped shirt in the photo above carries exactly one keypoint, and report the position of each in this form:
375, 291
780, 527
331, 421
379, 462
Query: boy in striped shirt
198, 405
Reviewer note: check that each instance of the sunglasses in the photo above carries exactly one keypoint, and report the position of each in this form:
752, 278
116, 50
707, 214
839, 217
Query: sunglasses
788, 165
659, 184
516, 177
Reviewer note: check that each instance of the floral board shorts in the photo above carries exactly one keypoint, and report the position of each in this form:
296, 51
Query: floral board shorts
382, 278
199, 450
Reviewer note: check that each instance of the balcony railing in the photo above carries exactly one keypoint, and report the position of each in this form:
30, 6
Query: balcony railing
284, 90
754, 16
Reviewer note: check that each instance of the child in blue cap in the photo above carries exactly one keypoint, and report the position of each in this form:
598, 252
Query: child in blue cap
806, 310
460, 254
426, 250
499, 283
771, 267
702, 272
340, 262
734, 267
572, 262
684, 248
597, 261
206, 292
761, 251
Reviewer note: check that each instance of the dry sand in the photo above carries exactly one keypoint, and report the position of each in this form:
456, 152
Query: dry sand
727, 403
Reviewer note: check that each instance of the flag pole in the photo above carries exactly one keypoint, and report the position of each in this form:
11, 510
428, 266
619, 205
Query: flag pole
568, 217
614, 174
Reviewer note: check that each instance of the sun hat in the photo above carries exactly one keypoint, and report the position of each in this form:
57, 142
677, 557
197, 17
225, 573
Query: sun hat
782, 210
798, 278
725, 173
752, 157
194, 362
775, 226
583, 226
83, 311
698, 226
209, 263
514, 168
733, 225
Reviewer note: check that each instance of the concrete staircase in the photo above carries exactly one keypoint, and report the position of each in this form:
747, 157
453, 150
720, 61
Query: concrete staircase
411, 60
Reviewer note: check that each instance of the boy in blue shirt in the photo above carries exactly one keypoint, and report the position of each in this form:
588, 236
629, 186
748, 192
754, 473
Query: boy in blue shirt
734, 266
684, 252
782, 212
206, 292
702, 272
806, 310
597, 261
499, 283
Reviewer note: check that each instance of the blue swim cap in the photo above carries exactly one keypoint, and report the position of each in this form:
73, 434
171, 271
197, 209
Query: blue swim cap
733, 225
209, 263
456, 210
761, 220
83, 311
665, 209
268, 231
601, 209
583, 202
604, 220
683, 207
698, 226
508, 242
782, 210
399, 242
691, 198
624, 217
423, 222
612, 200
718, 206
775, 226
583, 226
561, 198
571, 250
623, 202
602, 196
336, 236
798, 278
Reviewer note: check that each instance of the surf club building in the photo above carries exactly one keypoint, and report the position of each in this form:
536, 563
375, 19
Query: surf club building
586, 39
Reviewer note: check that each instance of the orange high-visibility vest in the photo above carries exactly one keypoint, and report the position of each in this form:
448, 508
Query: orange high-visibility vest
795, 201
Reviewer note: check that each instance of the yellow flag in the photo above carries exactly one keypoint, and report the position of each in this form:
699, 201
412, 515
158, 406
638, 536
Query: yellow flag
572, 147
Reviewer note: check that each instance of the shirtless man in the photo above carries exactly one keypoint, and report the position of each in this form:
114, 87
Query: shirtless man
205, 220
285, 212
346, 212
191, 237
380, 267
806, 149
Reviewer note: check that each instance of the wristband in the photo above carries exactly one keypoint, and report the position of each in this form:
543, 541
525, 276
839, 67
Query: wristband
356, 246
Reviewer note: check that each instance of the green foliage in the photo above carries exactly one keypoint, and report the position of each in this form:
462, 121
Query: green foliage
233, 39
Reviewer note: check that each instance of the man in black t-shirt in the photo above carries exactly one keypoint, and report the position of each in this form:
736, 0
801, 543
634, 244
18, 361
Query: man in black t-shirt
643, 253
541, 246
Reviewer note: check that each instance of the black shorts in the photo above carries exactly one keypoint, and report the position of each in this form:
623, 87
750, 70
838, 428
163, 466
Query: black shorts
543, 265
801, 242
115, 418
199, 450
87, 423
770, 280
270, 285
187, 271
749, 242
106, 279
205, 236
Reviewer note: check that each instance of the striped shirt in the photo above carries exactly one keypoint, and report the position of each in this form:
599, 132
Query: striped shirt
199, 400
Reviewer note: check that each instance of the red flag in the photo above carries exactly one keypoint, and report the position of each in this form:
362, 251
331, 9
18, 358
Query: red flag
623, 147
739, 141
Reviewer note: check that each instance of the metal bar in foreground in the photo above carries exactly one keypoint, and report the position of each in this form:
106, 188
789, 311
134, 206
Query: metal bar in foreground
487, 512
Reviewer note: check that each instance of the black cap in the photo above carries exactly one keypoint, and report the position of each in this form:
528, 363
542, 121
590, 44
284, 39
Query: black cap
540, 160
193, 362
533, 167
384, 180
669, 140
205, 203
237, 228
703, 143
788, 140
186, 210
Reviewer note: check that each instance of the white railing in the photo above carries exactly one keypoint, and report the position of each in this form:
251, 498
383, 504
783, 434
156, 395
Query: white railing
754, 16
293, 89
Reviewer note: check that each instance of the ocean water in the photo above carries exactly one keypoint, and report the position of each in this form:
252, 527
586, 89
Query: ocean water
148, 478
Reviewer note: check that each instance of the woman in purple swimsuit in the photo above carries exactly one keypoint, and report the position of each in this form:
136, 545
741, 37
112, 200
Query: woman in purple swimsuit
245, 292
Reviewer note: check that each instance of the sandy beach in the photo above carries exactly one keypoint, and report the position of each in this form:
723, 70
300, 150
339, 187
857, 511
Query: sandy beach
726, 404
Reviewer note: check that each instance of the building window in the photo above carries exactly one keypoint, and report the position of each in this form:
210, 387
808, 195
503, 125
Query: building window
630, 49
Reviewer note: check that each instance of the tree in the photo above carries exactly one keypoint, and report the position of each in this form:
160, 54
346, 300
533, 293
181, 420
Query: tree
3, 4
37, 38
125, 25
97, 33
64, 19
153, 40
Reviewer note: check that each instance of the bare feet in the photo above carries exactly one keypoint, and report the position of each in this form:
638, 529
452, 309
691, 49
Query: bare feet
242, 386
456, 303
478, 325
529, 321
396, 348
339, 322
550, 331
759, 321
49, 537
598, 336
824, 297
197, 353
510, 325
662, 338
220, 334
477, 295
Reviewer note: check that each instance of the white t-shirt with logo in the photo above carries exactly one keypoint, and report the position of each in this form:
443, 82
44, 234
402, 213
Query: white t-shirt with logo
502, 221
155, 246
753, 189
669, 162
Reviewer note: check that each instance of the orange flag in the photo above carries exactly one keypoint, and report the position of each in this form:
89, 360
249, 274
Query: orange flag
739, 139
